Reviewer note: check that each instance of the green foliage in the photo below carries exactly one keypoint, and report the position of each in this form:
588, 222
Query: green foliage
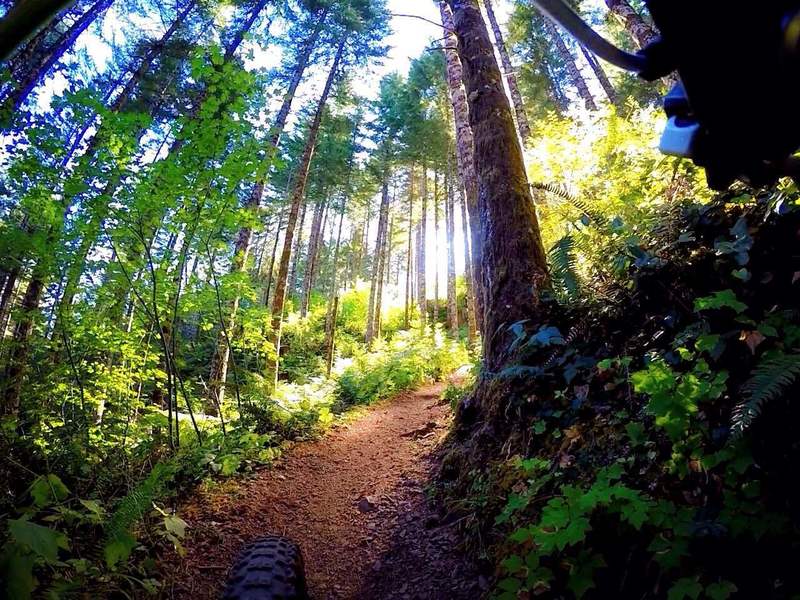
564, 267
675, 397
564, 524
719, 300
130, 510
408, 360
775, 373
586, 208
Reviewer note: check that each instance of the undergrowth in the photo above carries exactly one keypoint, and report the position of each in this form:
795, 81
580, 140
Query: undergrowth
73, 533
649, 450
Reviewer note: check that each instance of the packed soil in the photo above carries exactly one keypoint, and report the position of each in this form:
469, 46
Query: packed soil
355, 501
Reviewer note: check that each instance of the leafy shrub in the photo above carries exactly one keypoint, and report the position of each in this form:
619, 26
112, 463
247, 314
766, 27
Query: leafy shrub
407, 361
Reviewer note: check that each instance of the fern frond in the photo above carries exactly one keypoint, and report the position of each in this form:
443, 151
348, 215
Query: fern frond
768, 381
561, 192
563, 267
132, 508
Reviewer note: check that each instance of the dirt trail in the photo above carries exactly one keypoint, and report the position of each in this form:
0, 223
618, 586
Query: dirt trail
354, 501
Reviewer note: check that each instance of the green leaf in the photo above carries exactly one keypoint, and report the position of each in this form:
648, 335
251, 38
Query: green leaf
687, 587
718, 300
47, 490
510, 584
635, 432
521, 535
94, 507
176, 526
119, 549
707, 343
229, 465
42, 541
513, 564
581, 578
16, 566
721, 590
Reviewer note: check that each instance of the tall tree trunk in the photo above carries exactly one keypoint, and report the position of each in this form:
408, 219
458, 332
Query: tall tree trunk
270, 271
6, 299
377, 265
436, 312
465, 153
297, 250
356, 239
18, 360
409, 268
450, 228
642, 33
422, 296
19, 60
296, 199
510, 74
333, 298
601, 75
563, 52
219, 365
639, 29
383, 276
31, 79
314, 245
514, 259
469, 273
238, 37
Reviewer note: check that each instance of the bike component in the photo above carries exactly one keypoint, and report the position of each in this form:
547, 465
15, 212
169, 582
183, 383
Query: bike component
735, 114
739, 66
270, 568
561, 13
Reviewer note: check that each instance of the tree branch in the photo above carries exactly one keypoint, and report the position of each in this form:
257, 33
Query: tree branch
420, 18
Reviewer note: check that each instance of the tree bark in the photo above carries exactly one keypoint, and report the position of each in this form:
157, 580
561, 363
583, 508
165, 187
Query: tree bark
510, 75
436, 311
312, 255
270, 271
26, 85
409, 267
6, 299
514, 259
469, 274
377, 265
639, 29
566, 57
356, 239
601, 75
450, 228
383, 277
465, 152
17, 362
238, 37
422, 296
297, 195
642, 33
296, 251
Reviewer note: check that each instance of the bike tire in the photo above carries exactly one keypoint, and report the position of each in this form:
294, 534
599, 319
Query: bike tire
271, 568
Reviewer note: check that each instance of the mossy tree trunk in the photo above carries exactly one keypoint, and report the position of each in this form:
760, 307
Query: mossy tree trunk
514, 268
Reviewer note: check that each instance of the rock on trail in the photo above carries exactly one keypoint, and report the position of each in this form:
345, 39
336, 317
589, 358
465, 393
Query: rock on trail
355, 503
